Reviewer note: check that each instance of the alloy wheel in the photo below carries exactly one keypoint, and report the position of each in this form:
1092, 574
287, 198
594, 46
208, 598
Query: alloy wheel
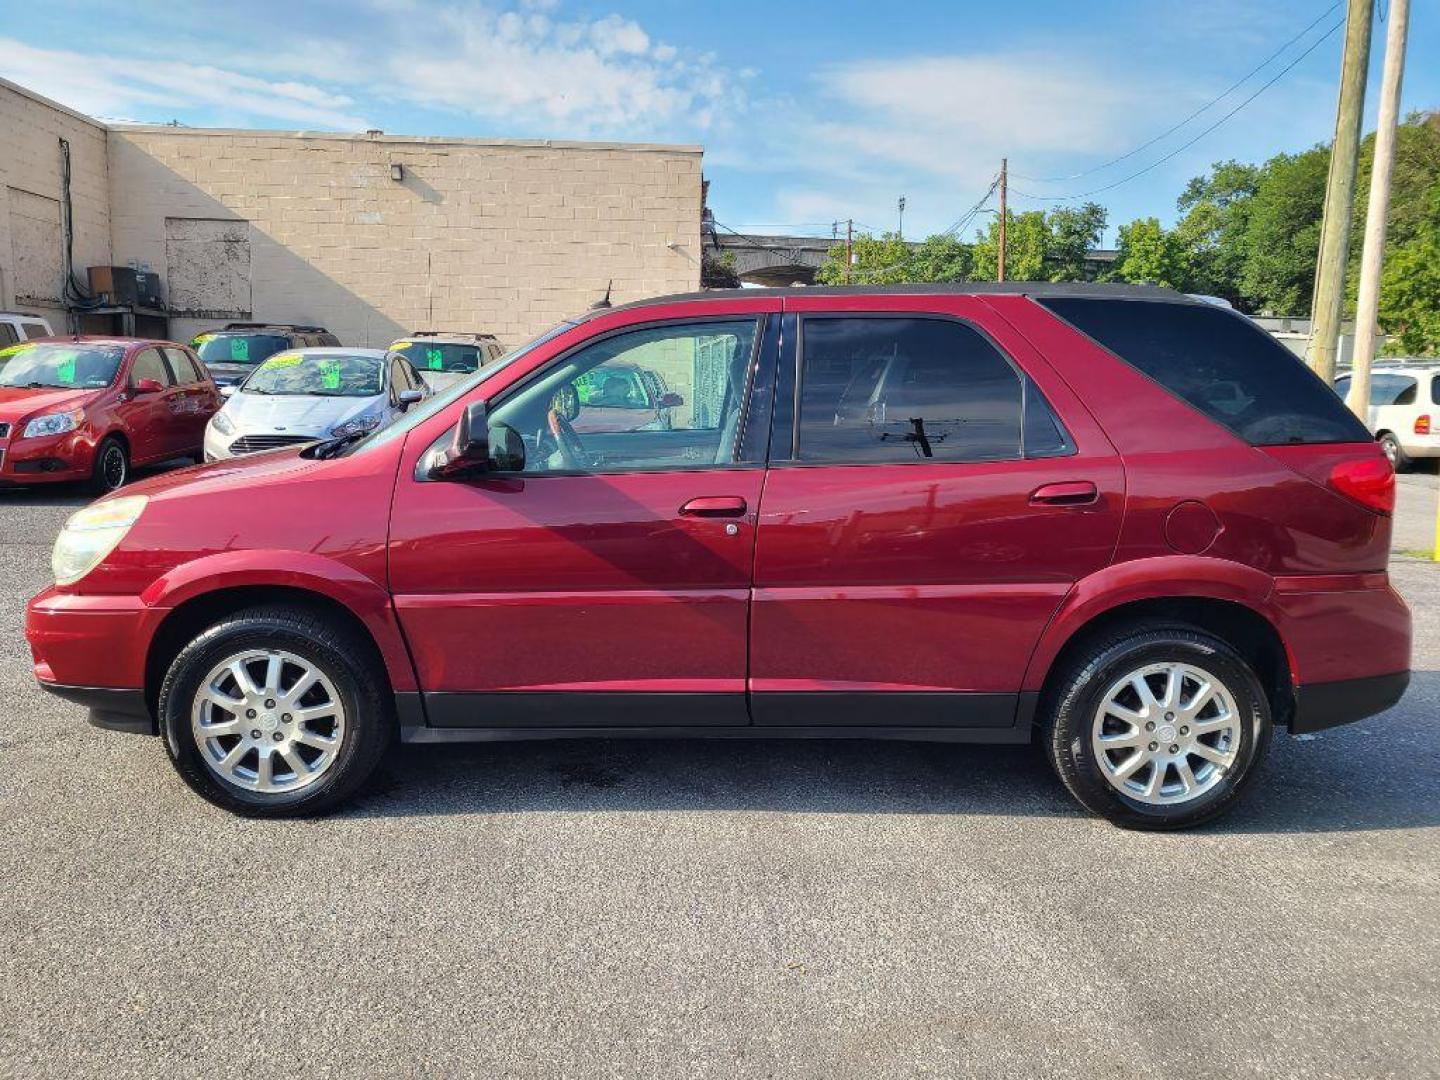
113, 467
267, 720
1166, 733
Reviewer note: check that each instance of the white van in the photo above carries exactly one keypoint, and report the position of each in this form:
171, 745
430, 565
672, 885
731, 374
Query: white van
1404, 410
15, 328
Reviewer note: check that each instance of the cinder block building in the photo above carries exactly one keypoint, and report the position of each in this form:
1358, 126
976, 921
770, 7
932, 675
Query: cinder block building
369, 235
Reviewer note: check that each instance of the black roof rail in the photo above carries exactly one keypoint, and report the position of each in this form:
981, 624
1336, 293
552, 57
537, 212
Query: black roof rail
452, 333
275, 326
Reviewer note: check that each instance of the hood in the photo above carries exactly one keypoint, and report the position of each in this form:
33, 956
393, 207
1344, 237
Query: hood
17, 402
262, 414
243, 470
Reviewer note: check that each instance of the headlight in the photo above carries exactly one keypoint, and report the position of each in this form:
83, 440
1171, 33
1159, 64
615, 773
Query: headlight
54, 423
221, 423
358, 426
91, 534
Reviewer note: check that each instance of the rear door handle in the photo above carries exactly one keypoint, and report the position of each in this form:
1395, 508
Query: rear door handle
714, 506
1065, 493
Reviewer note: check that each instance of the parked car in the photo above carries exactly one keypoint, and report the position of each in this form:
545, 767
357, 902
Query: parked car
623, 397
232, 352
1404, 410
88, 408
309, 395
445, 358
16, 327
952, 513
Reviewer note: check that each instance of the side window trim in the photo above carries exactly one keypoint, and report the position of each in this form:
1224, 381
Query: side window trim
794, 368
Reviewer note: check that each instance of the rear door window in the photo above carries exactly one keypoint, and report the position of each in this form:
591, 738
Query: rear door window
882, 389
1220, 363
1392, 390
182, 366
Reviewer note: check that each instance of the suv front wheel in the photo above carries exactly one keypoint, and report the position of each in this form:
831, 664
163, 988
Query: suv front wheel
1157, 727
276, 712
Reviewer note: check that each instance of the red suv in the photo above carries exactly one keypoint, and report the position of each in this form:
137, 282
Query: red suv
87, 408
1122, 522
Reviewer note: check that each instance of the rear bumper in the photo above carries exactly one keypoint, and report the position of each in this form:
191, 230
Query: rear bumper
112, 709
1325, 705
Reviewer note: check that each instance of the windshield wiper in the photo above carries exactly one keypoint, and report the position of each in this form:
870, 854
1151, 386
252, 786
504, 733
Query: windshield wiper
331, 447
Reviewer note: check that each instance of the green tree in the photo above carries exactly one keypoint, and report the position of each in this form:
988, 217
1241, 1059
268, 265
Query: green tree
1410, 288
1074, 232
1282, 236
1151, 254
1213, 228
1027, 243
942, 257
878, 260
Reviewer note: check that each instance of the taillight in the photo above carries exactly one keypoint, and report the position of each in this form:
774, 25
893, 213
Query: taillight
1370, 481
1422, 425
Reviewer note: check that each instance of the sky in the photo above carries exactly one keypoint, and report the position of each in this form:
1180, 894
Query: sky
808, 113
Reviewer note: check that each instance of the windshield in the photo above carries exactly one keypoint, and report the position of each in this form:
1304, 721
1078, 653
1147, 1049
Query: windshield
238, 348
322, 375
67, 366
436, 402
439, 356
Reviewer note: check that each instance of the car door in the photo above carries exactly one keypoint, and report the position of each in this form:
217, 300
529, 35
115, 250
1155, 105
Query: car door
196, 400
150, 418
568, 591
926, 510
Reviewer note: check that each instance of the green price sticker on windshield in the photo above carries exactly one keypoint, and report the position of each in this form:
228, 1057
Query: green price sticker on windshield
65, 370
434, 359
330, 374
240, 349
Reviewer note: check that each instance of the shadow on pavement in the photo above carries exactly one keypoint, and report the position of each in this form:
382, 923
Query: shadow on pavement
1383, 773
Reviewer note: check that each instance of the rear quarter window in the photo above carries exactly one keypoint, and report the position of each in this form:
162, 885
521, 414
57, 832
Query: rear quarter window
1219, 363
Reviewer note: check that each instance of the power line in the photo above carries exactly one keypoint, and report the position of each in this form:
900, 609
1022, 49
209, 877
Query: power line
1203, 109
1185, 146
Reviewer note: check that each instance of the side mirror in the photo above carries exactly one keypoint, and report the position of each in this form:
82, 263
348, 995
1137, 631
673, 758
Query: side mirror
670, 400
469, 449
146, 386
229, 390
410, 397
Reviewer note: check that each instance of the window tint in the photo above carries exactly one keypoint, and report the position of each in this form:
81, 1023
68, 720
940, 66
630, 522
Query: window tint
1045, 435
662, 397
7, 335
904, 389
1392, 390
1220, 363
148, 365
1435, 390
35, 330
182, 367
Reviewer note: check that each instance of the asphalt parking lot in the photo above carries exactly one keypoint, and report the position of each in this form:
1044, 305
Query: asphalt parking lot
713, 909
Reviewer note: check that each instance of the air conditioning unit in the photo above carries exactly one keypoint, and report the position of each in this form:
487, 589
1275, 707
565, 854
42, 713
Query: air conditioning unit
124, 286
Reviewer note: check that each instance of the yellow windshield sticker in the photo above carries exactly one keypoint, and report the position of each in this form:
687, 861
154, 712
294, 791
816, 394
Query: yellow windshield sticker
281, 360
330, 374
401, 345
200, 339
15, 350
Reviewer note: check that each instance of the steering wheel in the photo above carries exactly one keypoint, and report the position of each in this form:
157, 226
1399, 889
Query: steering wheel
567, 442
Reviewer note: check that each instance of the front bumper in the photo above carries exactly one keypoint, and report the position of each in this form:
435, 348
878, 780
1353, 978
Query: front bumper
47, 459
110, 708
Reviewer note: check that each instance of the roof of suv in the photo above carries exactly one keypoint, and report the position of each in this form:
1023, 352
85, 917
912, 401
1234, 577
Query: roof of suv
955, 288
246, 328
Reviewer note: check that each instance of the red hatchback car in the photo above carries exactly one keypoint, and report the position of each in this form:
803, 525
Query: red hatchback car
87, 408
1119, 521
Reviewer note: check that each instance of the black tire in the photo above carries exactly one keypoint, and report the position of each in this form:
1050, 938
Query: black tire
1076, 696
1402, 461
350, 662
111, 468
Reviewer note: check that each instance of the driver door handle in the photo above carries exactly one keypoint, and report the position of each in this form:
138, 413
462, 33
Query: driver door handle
714, 506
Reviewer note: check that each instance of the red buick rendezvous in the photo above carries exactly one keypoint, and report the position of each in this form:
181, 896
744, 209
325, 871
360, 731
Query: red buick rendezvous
1114, 519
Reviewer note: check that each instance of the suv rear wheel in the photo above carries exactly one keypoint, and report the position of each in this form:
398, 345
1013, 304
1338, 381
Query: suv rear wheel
1157, 726
276, 712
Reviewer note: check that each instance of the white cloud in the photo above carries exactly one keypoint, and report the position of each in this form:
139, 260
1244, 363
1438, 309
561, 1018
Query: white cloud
114, 84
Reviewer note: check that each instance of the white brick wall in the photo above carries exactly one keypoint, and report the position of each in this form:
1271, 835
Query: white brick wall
495, 236
30, 195
499, 236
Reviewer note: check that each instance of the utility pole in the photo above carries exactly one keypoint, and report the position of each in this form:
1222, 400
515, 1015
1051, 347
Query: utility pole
1372, 256
1000, 247
900, 231
849, 247
1340, 193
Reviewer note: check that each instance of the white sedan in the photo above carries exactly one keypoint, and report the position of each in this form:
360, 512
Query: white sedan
306, 395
